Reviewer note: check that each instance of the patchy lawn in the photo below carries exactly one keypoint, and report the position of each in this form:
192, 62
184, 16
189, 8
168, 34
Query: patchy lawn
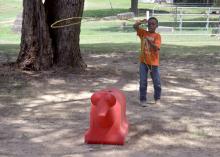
47, 113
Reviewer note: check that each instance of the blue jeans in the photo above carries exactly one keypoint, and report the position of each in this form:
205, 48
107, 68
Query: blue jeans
155, 75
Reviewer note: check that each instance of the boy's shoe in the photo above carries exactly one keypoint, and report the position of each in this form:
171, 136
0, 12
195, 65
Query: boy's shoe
143, 103
157, 102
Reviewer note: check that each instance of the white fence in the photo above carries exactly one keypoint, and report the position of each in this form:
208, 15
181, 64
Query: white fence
155, 1
182, 15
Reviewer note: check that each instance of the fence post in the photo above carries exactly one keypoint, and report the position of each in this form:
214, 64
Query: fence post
153, 11
147, 15
181, 19
175, 16
207, 20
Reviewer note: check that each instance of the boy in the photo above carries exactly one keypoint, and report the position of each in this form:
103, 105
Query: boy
149, 59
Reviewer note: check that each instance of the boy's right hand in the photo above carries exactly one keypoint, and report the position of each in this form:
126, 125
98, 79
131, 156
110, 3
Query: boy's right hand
141, 21
138, 23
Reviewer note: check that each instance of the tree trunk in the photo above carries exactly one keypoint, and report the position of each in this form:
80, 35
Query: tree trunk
65, 40
36, 49
41, 46
134, 7
217, 3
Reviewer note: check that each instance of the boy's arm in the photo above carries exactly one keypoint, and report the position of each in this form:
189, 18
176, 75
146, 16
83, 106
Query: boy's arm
138, 23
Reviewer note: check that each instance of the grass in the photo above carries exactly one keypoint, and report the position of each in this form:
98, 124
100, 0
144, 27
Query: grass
8, 12
7, 35
105, 4
9, 9
9, 49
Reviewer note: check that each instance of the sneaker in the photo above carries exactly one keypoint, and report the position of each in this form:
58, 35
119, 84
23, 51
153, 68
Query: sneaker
157, 102
143, 103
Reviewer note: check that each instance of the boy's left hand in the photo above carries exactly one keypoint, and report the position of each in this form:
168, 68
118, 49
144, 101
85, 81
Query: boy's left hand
149, 40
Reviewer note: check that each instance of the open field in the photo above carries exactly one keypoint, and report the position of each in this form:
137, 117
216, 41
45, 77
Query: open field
44, 114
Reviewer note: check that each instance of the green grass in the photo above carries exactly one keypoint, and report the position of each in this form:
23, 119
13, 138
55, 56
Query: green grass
9, 49
7, 35
102, 8
104, 4
8, 12
9, 9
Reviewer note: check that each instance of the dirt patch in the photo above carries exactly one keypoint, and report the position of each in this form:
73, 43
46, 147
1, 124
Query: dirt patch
47, 113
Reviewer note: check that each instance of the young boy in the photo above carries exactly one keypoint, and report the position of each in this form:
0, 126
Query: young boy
149, 58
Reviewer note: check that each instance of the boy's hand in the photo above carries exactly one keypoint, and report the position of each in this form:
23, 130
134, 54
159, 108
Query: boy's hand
149, 40
141, 21
151, 44
144, 21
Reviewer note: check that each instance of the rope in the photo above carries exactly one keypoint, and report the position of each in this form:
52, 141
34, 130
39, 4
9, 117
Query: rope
71, 21
146, 44
149, 55
66, 22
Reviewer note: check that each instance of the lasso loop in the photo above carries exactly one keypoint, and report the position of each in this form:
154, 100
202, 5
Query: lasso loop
69, 21
66, 22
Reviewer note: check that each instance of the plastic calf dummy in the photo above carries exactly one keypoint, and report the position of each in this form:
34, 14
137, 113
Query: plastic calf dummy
108, 122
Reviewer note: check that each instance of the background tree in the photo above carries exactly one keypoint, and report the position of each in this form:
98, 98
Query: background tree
41, 46
217, 3
134, 7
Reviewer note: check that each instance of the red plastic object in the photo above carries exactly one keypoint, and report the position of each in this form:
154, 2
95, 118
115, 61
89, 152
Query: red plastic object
108, 122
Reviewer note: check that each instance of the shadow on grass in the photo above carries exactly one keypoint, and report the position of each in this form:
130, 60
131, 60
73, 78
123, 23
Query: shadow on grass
40, 109
10, 49
128, 28
8, 52
167, 51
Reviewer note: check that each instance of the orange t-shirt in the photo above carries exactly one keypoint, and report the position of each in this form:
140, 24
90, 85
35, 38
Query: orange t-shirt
149, 55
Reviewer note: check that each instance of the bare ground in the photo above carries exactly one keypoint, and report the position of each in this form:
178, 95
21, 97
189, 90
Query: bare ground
47, 113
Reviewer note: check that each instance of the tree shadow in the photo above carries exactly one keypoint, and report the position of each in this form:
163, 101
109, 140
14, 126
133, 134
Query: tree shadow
48, 111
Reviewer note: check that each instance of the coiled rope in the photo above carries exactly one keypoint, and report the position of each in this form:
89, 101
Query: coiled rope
66, 22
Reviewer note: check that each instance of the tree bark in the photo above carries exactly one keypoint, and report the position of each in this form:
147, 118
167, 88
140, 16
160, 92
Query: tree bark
217, 3
65, 40
134, 7
43, 47
36, 51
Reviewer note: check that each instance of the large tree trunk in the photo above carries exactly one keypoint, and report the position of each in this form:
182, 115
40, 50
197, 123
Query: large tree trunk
41, 46
66, 39
36, 49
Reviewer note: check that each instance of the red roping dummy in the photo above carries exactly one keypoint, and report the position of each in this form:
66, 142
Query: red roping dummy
108, 122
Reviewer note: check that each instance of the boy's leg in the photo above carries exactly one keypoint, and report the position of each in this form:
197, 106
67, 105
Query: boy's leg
155, 75
143, 71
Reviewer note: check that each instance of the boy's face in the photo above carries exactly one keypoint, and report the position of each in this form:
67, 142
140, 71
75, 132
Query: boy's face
152, 25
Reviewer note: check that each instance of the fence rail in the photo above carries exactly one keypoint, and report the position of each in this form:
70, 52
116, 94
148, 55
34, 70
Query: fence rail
179, 12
